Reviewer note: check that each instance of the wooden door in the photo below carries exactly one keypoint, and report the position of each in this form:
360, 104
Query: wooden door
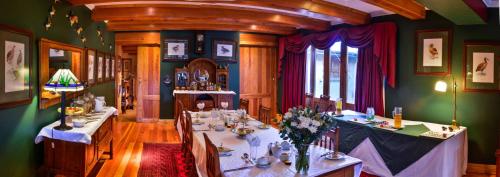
148, 78
258, 58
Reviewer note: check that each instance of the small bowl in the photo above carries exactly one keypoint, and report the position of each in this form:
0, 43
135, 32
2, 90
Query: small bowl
78, 123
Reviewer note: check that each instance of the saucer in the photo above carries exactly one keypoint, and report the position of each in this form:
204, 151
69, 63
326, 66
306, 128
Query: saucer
263, 126
268, 164
198, 122
338, 156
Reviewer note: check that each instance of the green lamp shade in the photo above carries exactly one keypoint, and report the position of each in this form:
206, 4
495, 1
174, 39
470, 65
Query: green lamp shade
64, 81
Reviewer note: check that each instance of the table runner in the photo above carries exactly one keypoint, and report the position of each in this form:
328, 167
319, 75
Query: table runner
78, 135
398, 149
318, 165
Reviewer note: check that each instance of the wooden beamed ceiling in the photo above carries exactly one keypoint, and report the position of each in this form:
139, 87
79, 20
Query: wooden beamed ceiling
262, 16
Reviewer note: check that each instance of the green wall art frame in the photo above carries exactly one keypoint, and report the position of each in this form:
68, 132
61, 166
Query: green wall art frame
481, 66
433, 52
15, 66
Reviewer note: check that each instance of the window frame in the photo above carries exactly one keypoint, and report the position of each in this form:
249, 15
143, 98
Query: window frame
326, 74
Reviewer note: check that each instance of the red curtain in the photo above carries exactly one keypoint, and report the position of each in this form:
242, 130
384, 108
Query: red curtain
293, 81
380, 37
369, 91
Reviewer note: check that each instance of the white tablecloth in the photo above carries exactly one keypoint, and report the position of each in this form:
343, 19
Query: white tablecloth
448, 159
318, 165
203, 92
78, 135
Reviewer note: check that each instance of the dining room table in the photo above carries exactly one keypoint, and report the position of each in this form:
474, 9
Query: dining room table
234, 163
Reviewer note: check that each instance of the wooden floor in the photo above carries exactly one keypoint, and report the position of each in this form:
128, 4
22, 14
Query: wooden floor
129, 137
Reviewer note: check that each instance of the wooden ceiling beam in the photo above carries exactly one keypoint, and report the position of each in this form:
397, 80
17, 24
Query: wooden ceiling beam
408, 8
200, 26
164, 13
318, 9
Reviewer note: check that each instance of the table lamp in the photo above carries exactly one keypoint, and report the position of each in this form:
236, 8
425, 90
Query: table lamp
441, 86
63, 81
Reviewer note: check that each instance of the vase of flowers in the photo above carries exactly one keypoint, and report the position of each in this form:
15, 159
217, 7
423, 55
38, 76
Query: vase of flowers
303, 126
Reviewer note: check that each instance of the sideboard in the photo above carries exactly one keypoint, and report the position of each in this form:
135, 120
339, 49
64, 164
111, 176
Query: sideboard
212, 99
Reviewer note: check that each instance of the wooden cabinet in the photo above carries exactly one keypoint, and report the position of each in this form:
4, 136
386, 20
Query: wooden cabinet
78, 159
212, 100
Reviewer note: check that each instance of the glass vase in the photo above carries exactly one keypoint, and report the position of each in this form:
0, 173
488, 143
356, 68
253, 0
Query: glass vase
302, 159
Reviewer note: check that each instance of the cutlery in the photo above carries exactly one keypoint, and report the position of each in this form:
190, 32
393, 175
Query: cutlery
325, 154
236, 169
201, 130
247, 157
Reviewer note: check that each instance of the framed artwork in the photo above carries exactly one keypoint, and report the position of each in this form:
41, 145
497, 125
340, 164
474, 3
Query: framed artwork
100, 67
433, 52
175, 49
90, 64
224, 50
15, 66
112, 67
107, 68
481, 66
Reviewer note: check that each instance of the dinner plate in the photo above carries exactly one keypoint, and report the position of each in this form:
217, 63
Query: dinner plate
263, 165
198, 122
339, 156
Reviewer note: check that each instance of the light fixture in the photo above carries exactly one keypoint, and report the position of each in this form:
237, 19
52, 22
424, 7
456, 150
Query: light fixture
442, 86
106, 21
63, 81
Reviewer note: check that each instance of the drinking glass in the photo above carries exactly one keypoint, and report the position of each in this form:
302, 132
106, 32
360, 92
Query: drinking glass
370, 113
338, 106
397, 114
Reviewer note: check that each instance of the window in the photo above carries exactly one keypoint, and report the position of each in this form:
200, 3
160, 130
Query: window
333, 74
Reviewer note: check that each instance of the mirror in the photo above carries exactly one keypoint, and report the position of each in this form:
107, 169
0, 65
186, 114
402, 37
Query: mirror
54, 56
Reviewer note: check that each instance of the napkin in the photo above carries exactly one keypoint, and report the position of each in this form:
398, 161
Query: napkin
253, 140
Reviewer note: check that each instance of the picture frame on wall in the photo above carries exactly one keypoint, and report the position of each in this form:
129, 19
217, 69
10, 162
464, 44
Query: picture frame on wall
113, 67
16, 67
100, 67
176, 50
433, 52
90, 66
107, 67
224, 50
481, 66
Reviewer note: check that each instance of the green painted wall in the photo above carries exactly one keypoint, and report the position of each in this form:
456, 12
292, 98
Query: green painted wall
477, 111
19, 156
168, 68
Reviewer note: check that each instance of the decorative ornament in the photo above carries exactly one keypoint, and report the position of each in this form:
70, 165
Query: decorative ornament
48, 24
52, 11
79, 30
84, 39
73, 19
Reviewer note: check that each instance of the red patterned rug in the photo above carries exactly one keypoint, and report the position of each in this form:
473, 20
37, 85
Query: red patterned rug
165, 160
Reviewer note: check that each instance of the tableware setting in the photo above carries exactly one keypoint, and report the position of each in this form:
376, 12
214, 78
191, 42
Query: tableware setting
264, 126
224, 151
335, 156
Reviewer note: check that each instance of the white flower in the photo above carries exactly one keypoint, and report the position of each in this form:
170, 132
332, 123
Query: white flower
288, 115
316, 123
312, 129
294, 124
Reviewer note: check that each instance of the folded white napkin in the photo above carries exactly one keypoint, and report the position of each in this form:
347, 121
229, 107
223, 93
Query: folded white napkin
253, 140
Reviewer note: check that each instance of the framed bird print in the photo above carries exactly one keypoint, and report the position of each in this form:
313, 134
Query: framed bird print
107, 67
433, 52
100, 67
224, 50
90, 64
175, 49
15, 66
481, 66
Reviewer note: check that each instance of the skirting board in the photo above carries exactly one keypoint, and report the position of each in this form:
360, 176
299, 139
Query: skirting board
481, 170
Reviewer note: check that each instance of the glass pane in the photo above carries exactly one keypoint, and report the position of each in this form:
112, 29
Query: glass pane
318, 73
352, 64
335, 71
308, 69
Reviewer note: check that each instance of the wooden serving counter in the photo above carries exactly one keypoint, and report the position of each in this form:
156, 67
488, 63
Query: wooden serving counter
212, 99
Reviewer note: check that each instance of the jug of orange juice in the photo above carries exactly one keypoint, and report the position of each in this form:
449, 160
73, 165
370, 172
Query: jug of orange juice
397, 115
338, 106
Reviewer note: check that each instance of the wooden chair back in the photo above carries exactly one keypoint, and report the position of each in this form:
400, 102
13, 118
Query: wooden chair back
187, 140
244, 103
309, 100
265, 114
330, 140
213, 163
179, 112
325, 104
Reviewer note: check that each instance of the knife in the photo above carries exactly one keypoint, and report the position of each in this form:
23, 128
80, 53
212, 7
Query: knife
236, 169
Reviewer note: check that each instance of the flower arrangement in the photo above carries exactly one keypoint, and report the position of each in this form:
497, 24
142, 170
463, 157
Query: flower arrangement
303, 126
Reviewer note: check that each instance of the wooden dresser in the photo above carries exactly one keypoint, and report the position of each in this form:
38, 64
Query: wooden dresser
212, 99
78, 159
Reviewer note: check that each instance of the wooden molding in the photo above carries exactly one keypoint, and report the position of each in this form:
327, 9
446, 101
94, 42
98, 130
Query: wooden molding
408, 8
261, 40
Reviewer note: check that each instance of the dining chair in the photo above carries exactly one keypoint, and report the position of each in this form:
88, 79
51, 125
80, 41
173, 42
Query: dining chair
324, 104
187, 140
309, 100
244, 104
179, 112
329, 140
213, 163
264, 114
